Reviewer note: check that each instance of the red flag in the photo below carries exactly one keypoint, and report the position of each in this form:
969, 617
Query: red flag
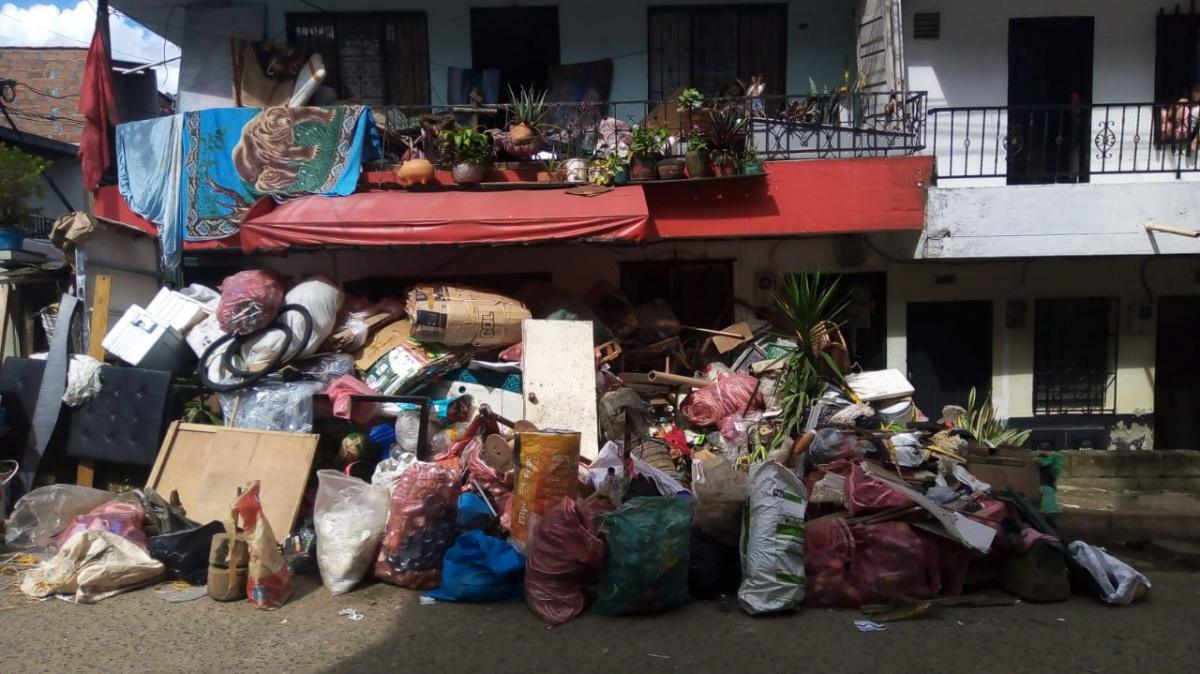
99, 109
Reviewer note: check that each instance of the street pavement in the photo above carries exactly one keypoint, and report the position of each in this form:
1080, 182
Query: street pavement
140, 632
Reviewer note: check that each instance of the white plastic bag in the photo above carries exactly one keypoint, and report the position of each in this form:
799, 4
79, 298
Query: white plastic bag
610, 457
388, 471
93, 564
721, 493
44, 512
349, 517
772, 549
1119, 583
83, 380
322, 299
271, 405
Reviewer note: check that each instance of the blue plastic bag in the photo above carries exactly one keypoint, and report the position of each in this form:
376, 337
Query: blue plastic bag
480, 568
473, 512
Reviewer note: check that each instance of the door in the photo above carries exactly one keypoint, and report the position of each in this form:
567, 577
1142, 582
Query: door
1049, 98
522, 42
949, 351
1177, 374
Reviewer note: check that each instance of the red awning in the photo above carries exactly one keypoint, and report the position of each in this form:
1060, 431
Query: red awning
458, 217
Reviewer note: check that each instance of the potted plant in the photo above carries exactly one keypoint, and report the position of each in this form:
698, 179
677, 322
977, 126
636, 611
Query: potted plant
726, 136
528, 112
20, 183
751, 162
645, 149
552, 170
609, 169
697, 157
689, 99
468, 150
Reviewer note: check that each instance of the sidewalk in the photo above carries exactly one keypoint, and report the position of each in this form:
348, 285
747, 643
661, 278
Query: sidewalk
1126, 514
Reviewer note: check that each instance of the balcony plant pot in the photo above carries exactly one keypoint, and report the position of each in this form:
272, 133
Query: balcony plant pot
724, 166
576, 170
670, 169
698, 164
522, 148
467, 174
752, 167
643, 168
415, 172
621, 176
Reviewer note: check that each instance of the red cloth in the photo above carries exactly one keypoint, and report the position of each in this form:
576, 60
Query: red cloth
342, 390
98, 106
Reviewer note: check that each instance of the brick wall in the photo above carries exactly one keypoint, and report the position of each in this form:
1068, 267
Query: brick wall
56, 71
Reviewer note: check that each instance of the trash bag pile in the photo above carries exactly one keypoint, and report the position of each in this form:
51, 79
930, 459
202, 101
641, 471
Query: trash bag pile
752, 464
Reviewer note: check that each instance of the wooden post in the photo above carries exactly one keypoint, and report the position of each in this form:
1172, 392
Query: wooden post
5, 291
85, 472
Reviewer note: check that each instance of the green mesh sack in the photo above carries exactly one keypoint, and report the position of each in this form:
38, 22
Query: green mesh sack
646, 566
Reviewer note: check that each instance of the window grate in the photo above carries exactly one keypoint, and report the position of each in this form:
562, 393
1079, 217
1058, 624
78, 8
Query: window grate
927, 25
1075, 356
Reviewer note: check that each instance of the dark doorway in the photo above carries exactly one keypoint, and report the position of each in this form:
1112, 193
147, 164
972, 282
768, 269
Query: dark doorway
865, 321
1049, 98
700, 292
1177, 374
522, 42
949, 351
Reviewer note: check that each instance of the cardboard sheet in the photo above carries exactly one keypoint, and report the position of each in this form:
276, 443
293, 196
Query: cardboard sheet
207, 465
560, 379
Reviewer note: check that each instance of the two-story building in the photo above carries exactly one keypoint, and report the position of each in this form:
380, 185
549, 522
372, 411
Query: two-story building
997, 186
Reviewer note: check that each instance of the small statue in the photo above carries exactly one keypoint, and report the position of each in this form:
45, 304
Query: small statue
758, 86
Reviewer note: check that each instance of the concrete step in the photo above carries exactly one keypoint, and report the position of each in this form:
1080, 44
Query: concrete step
1124, 515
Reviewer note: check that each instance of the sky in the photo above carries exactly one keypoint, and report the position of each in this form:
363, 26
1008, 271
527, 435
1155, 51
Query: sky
69, 23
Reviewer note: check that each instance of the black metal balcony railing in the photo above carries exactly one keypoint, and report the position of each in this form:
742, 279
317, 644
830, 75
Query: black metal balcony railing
777, 127
1064, 143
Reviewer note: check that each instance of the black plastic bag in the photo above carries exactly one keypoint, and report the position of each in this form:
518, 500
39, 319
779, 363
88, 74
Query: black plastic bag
185, 553
714, 568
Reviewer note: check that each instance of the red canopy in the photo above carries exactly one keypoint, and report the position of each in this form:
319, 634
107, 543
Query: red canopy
458, 217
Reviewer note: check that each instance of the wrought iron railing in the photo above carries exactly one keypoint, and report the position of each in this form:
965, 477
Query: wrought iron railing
37, 227
1075, 392
777, 127
1064, 143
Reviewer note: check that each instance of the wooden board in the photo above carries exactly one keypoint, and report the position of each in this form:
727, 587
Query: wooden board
207, 464
559, 378
101, 297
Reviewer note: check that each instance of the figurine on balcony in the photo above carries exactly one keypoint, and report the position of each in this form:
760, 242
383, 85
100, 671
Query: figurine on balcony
758, 87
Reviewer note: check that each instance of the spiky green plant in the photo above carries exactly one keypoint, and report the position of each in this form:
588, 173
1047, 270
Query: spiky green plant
528, 107
983, 422
806, 302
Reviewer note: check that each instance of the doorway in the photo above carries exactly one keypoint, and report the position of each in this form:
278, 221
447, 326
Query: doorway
949, 352
521, 42
1177, 374
1049, 98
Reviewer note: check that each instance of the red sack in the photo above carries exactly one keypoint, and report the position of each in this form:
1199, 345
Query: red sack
565, 557
864, 493
874, 563
250, 300
420, 527
122, 519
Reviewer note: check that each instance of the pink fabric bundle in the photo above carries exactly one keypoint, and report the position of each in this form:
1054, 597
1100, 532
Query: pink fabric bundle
250, 300
341, 390
729, 395
122, 519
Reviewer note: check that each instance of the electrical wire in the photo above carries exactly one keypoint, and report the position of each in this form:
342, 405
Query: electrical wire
47, 94
62, 35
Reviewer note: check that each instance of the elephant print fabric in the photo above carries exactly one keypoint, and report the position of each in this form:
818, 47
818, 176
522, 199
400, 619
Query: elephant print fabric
234, 157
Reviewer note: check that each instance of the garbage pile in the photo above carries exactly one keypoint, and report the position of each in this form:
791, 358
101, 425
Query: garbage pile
576, 453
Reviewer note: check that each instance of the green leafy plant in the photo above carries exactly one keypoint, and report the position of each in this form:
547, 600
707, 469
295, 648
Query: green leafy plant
726, 131
697, 142
466, 145
20, 183
196, 412
808, 304
982, 421
649, 141
750, 154
690, 99
528, 108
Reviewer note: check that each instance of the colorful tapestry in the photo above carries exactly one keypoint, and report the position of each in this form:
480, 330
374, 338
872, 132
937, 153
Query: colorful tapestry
234, 157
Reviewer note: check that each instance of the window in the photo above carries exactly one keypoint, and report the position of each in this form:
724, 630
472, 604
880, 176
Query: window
380, 58
711, 48
1177, 56
1075, 356
495, 34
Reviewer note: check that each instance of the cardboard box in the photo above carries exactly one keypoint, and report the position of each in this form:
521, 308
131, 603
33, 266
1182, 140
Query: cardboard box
1007, 468
459, 316
144, 341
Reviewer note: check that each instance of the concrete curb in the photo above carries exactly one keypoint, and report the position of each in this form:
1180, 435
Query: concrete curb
1092, 525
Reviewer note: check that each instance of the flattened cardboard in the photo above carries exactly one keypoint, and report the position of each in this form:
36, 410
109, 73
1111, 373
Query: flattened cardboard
459, 316
378, 345
879, 385
207, 464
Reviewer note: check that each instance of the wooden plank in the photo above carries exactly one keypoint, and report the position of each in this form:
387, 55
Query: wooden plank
207, 465
101, 296
559, 377
85, 473
5, 291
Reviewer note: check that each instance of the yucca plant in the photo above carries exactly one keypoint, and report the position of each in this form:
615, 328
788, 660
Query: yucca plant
529, 112
982, 421
808, 303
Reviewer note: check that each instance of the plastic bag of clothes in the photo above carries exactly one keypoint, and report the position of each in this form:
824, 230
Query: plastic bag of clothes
92, 564
271, 405
349, 517
728, 395
46, 511
565, 558
250, 300
871, 563
268, 581
420, 527
185, 553
547, 472
121, 518
1117, 582
646, 570
864, 493
833, 444
480, 568
321, 298
721, 492
773, 541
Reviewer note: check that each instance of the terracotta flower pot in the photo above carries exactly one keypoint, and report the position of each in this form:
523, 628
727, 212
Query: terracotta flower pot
642, 168
415, 172
697, 164
467, 174
670, 169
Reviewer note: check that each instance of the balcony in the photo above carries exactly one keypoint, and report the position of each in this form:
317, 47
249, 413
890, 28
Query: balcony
1109, 142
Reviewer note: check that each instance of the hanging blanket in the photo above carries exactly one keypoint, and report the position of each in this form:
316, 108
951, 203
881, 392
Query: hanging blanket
149, 164
234, 157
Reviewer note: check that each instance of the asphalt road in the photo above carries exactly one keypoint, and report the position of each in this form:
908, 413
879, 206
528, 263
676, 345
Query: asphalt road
138, 631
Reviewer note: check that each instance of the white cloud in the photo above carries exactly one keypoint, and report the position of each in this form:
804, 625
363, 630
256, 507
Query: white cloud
50, 26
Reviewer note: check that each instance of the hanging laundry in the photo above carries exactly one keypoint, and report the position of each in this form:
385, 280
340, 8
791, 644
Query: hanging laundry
149, 166
99, 109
